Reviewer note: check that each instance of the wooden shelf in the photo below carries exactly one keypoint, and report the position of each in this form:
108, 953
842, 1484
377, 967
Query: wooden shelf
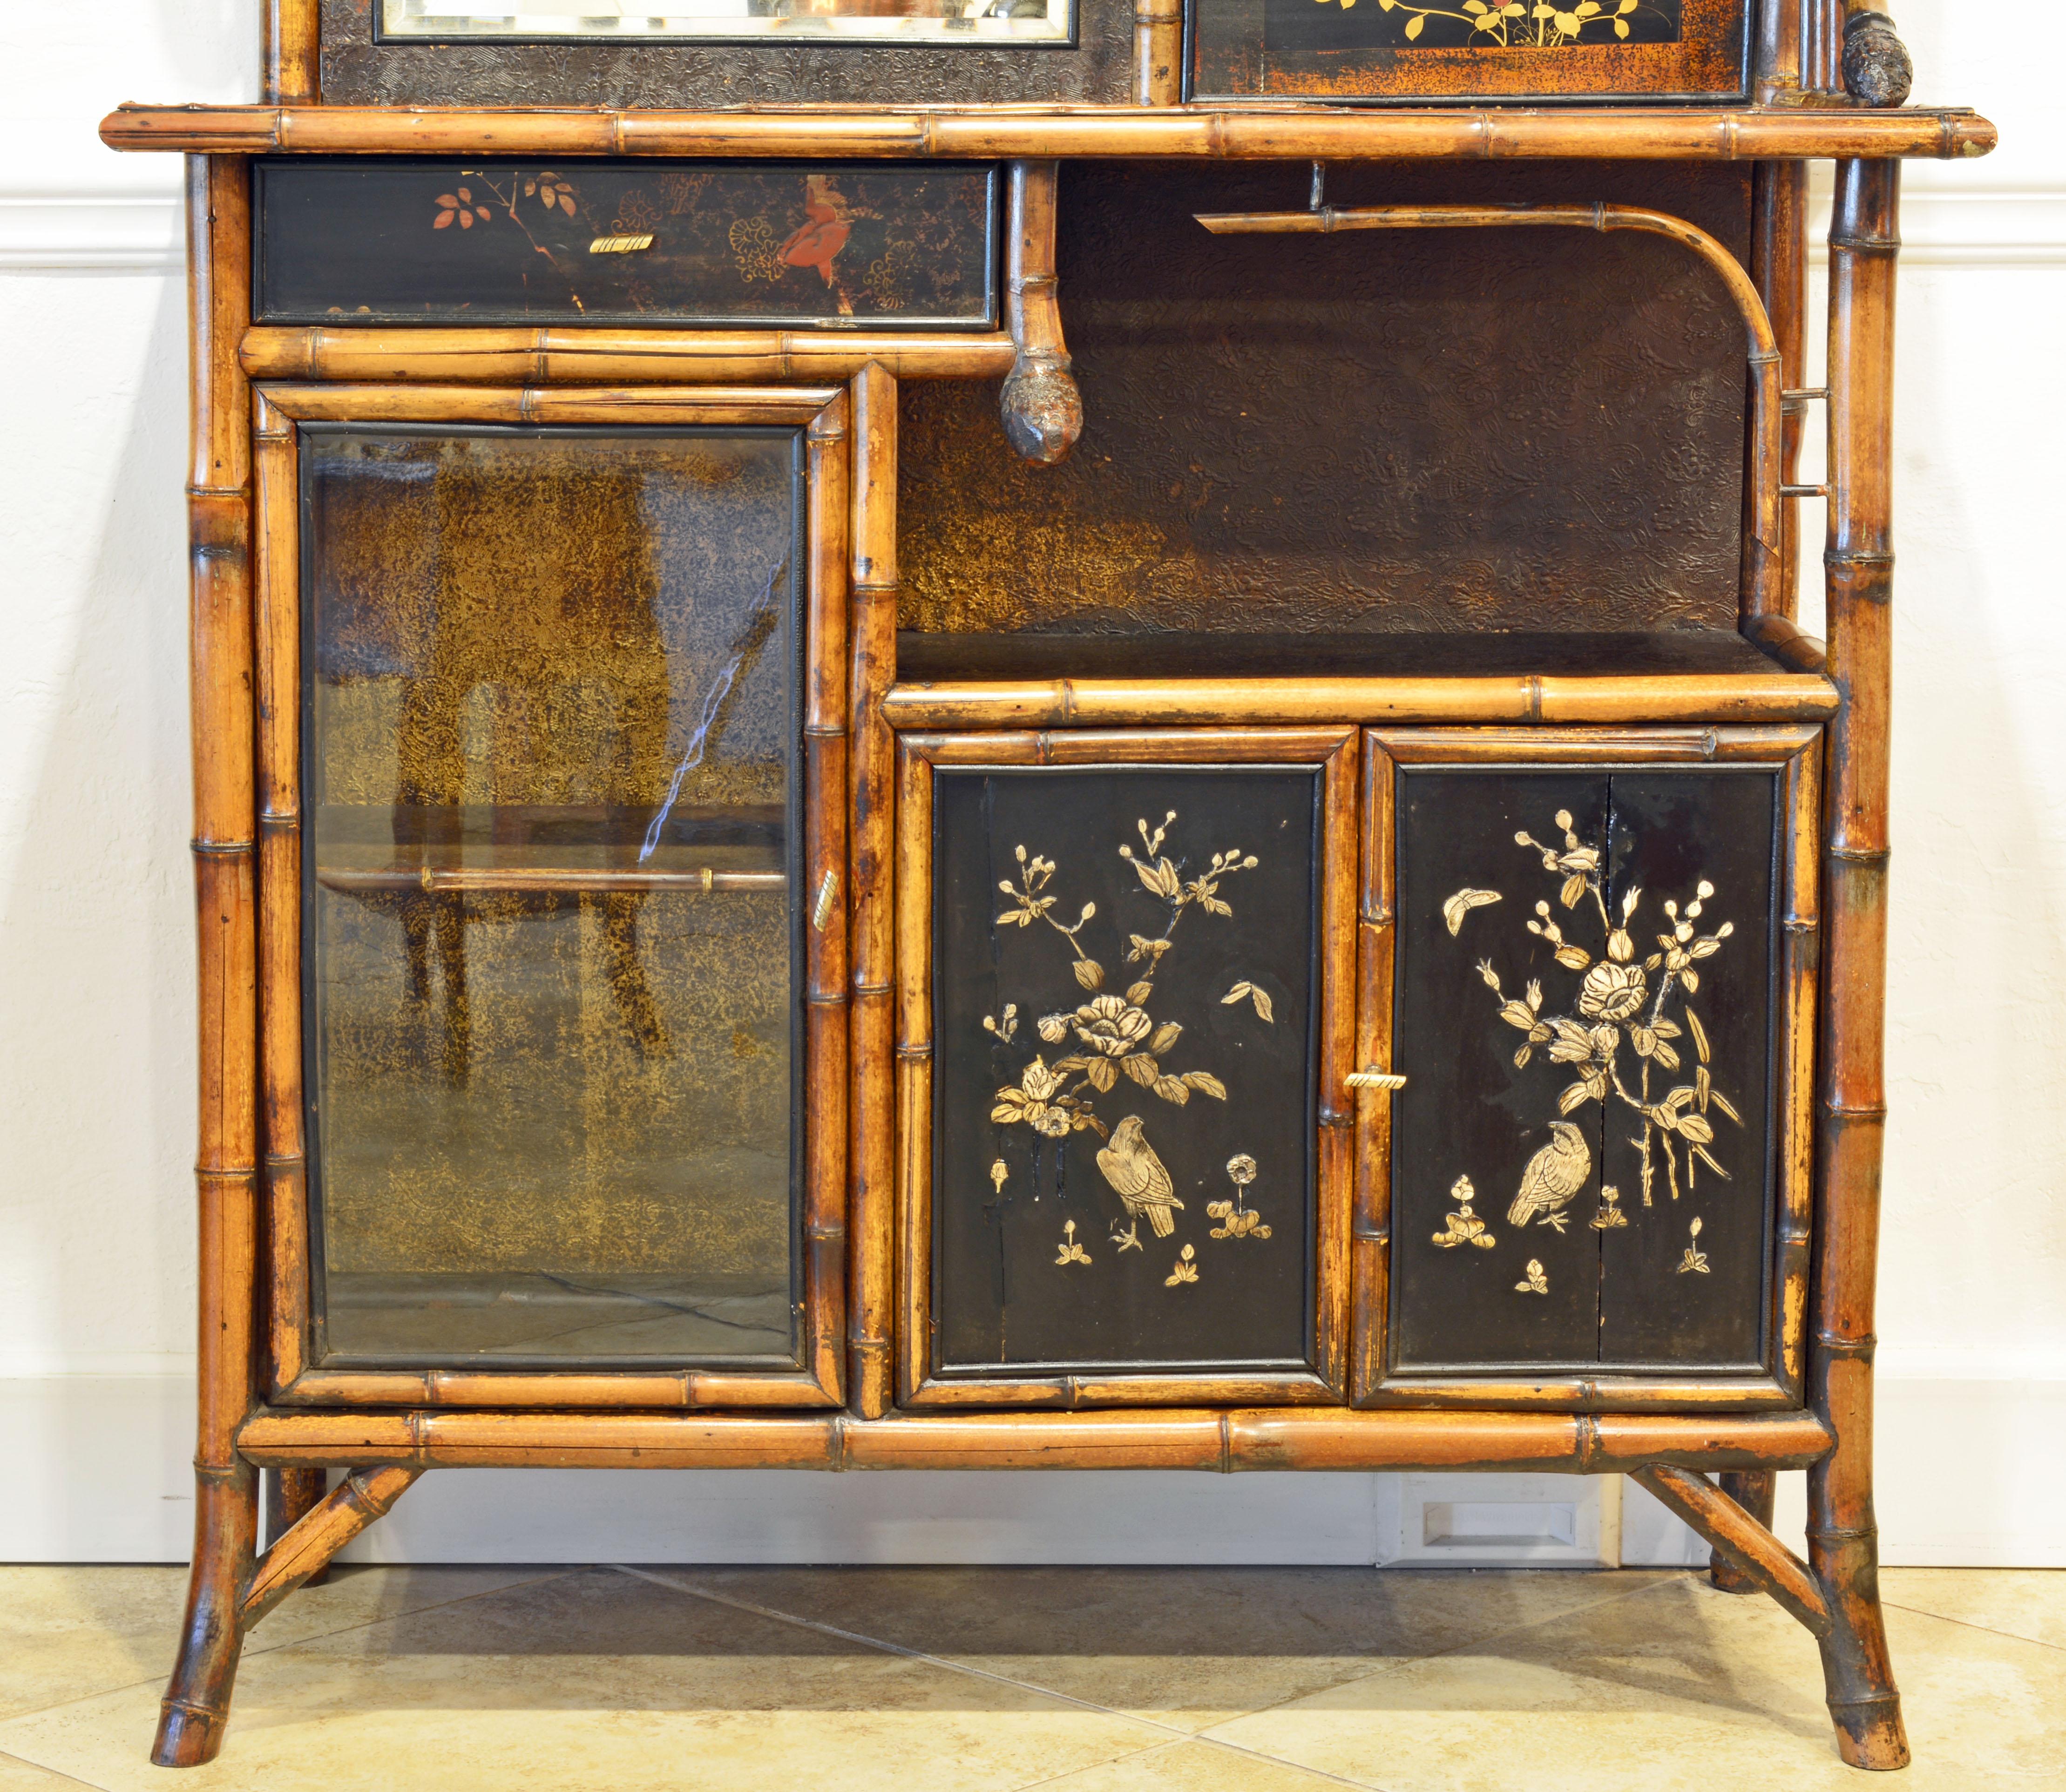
1691, 133
1022, 681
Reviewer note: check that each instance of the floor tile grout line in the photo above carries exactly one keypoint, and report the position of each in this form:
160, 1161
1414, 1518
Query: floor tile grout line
1155, 1748
55, 1773
1396, 1664
952, 1666
317, 1636
1968, 1623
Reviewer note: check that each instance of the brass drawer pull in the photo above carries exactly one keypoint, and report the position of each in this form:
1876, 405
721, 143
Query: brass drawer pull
1374, 1078
821, 911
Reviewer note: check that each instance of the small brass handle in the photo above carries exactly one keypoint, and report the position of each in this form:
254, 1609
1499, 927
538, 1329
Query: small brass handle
822, 910
1374, 1078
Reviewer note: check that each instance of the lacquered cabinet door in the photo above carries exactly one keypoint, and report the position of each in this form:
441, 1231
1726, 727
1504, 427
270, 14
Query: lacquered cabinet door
1591, 1169
1133, 968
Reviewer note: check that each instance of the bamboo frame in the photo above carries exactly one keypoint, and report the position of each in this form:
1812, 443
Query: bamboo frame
305, 1552
294, 1378
290, 46
1042, 409
196, 1702
1207, 1440
1555, 701
1158, 52
1762, 571
1795, 752
1752, 1551
871, 890
1842, 1534
574, 357
918, 1386
1266, 133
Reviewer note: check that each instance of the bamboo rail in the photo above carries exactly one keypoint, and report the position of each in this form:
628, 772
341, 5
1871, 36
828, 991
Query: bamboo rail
306, 1551
522, 879
1763, 570
565, 357
1720, 698
1842, 1536
1225, 132
1752, 1551
1211, 1441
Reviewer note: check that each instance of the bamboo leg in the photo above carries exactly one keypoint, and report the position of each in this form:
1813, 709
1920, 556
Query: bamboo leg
196, 1703
1842, 1536
1754, 1493
1043, 411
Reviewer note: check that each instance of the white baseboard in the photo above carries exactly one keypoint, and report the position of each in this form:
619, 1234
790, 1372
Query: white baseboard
102, 1475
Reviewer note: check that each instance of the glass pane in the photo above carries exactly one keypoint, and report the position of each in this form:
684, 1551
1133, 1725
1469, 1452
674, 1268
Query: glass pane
550, 852
896, 21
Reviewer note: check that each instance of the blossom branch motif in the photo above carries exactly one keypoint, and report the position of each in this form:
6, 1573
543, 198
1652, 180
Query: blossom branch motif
1622, 1002
552, 191
1511, 24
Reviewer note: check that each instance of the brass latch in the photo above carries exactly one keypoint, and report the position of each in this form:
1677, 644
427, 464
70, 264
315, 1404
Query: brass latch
629, 243
821, 911
1374, 1078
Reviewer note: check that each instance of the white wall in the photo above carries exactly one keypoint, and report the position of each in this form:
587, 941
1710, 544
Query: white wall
96, 1255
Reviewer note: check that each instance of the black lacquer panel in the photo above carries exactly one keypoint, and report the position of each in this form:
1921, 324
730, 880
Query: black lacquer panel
1123, 1116
374, 240
1584, 1000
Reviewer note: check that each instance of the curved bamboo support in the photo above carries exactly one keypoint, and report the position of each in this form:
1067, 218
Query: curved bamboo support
1752, 1549
1756, 1495
1044, 413
306, 1551
1762, 589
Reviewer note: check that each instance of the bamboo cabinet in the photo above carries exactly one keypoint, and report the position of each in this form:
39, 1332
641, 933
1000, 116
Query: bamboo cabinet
1035, 767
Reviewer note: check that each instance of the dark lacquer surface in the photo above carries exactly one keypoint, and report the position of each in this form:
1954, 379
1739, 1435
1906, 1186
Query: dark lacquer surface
392, 240
1417, 432
358, 69
943, 658
1452, 50
1176, 1074
1649, 1290
549, 855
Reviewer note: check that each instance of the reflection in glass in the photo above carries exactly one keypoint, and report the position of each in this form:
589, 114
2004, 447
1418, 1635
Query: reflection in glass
862, 21
549, 851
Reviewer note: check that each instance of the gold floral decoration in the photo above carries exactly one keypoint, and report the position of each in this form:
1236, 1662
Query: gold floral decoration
1186, 1269
754, 248
1610, 1215
1465, 1226
1533, 1281
1236, 1219
1695, 1262
1621, 1002
1511, 24
1071, 1251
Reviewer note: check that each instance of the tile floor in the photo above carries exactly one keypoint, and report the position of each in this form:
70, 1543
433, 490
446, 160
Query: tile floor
1076, 1680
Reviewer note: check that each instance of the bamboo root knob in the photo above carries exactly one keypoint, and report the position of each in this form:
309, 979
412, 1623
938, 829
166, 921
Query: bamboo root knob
1877, 70
1044, 412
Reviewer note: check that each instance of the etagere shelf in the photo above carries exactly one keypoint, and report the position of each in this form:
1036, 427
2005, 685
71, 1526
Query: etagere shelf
720, 856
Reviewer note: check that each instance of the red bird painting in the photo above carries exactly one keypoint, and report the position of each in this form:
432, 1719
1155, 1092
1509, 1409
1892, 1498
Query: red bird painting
816, 244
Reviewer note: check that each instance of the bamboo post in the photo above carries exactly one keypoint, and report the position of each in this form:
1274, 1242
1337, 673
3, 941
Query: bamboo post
1779, 269
289, 33
870, 902
1044, 412
196, 1702
1842, 1537
1158, 52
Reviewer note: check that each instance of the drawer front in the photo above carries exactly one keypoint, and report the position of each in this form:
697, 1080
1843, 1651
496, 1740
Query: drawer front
1591, 1164
775, 244
1129, 988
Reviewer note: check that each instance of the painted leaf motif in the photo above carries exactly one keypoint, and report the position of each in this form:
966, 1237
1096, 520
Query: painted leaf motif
1090, 973
1573, 1098
1413, 26
1699, 1035
1138, 994
1101, 1073
1574, 958
1205, 1083
1462, 903
442, 220
1143, 1069
1574, 892
1166, 1035
1171, 1089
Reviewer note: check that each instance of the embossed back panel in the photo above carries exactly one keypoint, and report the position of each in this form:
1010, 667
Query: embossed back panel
1124, 1013
1431, 431
1582, 1160
548, 860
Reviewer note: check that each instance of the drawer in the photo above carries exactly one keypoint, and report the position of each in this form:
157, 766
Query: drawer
821, 245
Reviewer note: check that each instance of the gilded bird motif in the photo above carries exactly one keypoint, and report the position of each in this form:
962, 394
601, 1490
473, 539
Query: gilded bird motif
1553, 1175
1137, 1177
